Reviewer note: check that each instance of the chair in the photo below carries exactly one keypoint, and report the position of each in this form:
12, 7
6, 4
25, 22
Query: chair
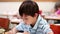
55, 28
4, 23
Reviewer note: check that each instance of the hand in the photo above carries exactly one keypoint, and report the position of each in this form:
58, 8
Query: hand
26, 33
10, 32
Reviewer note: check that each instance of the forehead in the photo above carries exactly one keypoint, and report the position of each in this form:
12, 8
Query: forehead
26, 16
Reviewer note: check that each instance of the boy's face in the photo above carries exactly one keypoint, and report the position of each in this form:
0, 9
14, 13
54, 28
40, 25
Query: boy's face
29, 19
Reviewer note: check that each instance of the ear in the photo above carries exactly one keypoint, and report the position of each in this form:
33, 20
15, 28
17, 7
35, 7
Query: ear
35, 15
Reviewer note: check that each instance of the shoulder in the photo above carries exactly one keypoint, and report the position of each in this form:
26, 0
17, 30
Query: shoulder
42, 23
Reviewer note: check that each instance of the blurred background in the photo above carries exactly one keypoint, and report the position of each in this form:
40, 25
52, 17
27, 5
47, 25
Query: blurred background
9, 11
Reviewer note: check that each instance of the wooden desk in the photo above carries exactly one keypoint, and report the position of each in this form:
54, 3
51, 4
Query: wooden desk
52, 17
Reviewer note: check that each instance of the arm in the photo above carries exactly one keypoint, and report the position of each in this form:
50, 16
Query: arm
13, 31
46, 27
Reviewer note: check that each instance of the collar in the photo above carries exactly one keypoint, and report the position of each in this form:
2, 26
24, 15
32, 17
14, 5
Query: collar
37, 22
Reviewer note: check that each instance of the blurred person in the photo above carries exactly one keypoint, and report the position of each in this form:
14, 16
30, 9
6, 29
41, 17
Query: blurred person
56, 11
33, 22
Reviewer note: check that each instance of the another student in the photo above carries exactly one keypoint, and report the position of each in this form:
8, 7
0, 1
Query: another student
33, 22
57, 11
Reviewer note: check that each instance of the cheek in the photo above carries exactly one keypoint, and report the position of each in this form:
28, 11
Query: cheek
28, 21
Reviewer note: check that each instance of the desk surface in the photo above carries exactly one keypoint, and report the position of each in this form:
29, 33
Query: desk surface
16, 21
57, 24
52, 17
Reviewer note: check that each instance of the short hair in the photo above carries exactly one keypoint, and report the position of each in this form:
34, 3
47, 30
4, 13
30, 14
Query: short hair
57, 5
28, 8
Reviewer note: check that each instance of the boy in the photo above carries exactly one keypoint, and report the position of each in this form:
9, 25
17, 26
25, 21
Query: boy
33, 22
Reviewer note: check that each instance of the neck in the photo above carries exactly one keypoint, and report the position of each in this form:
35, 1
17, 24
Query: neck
34, 22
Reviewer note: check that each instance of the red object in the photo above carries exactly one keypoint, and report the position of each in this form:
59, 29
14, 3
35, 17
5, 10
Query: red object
4, 23
55, 29
40, 12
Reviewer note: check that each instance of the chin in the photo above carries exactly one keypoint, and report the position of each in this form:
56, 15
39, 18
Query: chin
28, 24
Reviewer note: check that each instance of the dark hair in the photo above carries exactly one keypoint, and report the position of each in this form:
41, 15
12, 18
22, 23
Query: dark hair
28, 8
57, 5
